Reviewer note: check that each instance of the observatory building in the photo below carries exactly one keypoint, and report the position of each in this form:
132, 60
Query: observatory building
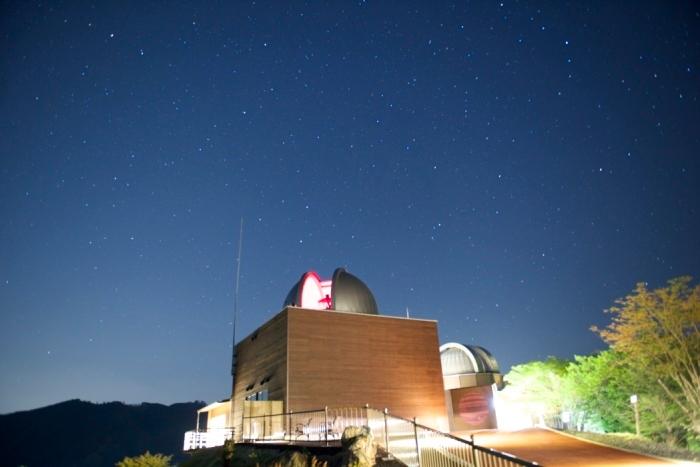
330, 347
471, 375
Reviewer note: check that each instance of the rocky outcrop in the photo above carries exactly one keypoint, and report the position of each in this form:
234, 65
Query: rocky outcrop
359, 447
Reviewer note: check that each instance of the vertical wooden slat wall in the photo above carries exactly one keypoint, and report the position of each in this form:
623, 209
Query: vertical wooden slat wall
327, 358
261, 355
341, 359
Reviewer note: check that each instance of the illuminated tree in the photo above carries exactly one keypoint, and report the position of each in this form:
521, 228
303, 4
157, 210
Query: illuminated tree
537, 385
145, 460
600, 386
658, 334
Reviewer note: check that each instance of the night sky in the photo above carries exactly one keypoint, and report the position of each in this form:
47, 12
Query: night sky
508, 169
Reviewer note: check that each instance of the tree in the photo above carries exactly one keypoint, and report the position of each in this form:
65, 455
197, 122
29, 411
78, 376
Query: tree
600, 386
658, 332
145, 460
536, 387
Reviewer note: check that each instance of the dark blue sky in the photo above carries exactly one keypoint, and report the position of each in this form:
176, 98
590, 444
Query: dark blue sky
508, 169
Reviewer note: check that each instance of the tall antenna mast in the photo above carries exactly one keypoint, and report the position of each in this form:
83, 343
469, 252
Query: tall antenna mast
233, 339
235, 303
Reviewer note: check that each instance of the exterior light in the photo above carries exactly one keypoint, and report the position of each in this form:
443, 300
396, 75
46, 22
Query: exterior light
634, 401
566, 416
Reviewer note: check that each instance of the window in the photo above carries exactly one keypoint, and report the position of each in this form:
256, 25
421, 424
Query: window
262, 395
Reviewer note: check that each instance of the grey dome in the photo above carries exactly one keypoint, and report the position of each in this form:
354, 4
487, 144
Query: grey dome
351, 294
458, 359
293, 297
347, 293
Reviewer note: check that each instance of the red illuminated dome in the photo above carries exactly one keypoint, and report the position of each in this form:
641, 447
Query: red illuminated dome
344, 292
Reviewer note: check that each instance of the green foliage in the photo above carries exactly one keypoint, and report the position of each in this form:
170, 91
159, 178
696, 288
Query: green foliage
600, 386
228, 452
596, 391
209, 457
639, 444
296, 459
657, 332
145, 460
538, 385
654, 353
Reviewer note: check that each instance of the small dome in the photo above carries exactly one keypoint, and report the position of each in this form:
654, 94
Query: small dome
344, 292
458, 359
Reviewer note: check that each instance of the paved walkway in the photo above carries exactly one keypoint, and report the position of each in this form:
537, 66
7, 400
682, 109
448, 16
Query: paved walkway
552, 449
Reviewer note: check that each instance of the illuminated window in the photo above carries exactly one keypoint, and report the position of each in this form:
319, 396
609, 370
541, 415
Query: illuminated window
258, 396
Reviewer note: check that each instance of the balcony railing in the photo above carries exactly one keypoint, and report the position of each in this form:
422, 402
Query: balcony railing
324, 425
206, 438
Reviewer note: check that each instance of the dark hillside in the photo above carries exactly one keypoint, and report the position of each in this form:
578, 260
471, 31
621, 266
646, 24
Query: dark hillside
81, 434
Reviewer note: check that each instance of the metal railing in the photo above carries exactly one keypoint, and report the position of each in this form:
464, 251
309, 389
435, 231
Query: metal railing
396, 435
420, 446
323, 425
206, 438
409, 442
439, 449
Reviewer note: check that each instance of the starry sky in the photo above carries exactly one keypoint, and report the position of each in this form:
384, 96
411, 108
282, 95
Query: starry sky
508, 169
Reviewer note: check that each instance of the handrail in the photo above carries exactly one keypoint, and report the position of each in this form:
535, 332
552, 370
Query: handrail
501, 454
301, 412
429, 447
213, 430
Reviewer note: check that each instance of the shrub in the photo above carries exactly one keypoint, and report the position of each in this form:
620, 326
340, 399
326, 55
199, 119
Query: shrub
146, 460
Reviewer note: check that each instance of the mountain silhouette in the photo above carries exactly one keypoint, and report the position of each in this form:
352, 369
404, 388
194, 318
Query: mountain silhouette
76, 433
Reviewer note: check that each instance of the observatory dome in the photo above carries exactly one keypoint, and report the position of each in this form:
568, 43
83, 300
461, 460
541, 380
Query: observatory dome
458, 359
344, 292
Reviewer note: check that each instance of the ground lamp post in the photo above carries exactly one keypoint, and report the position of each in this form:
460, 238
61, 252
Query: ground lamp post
635, 404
